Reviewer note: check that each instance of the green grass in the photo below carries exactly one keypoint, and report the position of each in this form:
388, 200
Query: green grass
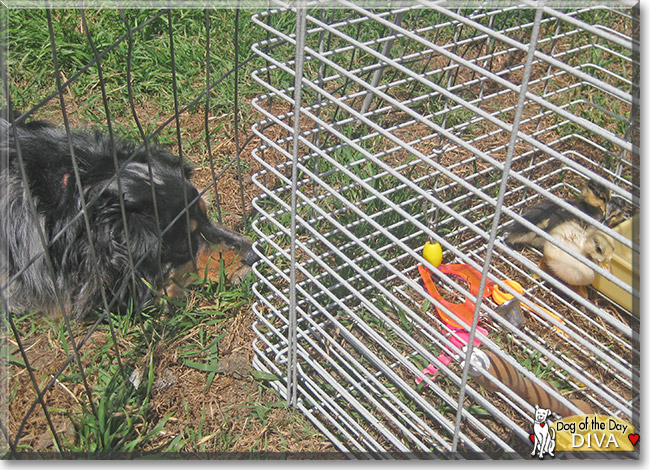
31, 65
122, 415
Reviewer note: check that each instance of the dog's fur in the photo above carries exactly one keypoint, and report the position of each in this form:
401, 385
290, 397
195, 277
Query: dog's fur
123, 230
544, 434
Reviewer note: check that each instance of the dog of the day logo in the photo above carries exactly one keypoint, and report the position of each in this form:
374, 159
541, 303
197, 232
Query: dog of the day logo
543, 436
582, 433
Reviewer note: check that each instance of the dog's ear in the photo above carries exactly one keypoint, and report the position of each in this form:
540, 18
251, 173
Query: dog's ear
134, 181
120, 255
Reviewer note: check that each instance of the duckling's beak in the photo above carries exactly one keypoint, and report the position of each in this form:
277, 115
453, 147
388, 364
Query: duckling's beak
607, 266
603, 206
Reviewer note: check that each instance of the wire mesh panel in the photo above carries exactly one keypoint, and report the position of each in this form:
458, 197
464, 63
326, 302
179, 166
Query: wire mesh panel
391, 129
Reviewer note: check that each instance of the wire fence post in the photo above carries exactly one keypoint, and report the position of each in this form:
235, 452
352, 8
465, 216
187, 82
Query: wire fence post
292, 363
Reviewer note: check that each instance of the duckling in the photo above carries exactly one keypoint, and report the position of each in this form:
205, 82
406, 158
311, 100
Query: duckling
587, 241
547, 215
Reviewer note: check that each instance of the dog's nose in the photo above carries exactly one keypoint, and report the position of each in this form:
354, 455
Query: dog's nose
249, 257
220, 235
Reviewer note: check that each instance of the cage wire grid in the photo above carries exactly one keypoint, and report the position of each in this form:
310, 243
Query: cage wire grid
422, 122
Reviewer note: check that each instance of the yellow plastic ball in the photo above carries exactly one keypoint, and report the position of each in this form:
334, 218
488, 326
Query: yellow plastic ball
432, 252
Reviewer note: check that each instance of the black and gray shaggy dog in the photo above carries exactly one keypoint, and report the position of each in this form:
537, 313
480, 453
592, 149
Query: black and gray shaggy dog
127, 254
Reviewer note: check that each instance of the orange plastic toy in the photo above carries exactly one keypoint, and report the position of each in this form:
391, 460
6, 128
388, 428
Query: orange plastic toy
464, 311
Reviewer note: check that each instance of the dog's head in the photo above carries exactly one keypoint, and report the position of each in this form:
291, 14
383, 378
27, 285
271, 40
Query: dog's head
541, 414
164, 210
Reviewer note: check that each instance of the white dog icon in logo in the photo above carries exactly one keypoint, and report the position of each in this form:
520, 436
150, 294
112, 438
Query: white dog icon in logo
543, 436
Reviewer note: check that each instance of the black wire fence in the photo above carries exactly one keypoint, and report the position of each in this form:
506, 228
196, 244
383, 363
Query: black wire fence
166, 78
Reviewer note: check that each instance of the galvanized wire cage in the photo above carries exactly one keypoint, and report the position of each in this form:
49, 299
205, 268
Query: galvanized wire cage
395, 127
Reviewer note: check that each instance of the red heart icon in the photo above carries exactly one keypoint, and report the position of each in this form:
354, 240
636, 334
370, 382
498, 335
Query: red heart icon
634, 438
542, 424
532, 438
